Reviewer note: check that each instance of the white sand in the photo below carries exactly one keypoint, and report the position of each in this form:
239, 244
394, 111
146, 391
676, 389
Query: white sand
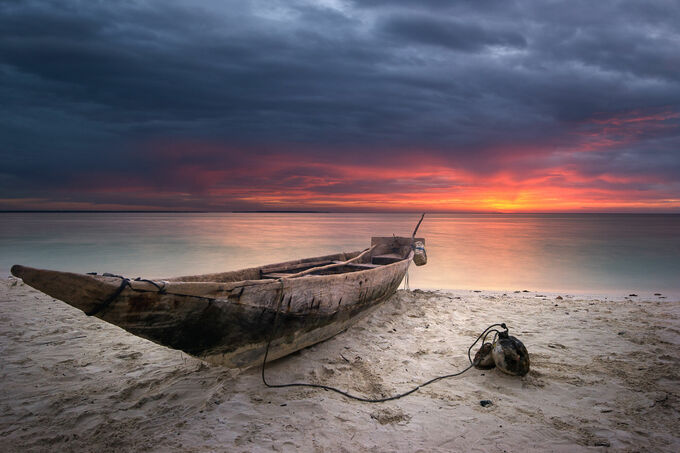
604, 376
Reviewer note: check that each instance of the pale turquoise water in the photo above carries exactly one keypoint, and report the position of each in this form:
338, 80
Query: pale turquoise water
618, 254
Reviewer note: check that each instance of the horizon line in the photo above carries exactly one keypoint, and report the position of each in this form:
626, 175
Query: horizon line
300, 211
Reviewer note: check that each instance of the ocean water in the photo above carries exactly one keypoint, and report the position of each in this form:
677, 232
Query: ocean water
572, 253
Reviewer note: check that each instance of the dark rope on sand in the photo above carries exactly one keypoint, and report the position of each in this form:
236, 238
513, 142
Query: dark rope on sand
360, 398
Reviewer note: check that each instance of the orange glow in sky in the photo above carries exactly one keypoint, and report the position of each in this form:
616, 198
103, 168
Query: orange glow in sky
583, 171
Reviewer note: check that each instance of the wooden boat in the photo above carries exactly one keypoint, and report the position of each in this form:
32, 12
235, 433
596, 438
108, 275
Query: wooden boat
228, 318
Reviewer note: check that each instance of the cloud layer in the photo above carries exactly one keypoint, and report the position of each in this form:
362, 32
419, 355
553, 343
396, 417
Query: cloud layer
471, 105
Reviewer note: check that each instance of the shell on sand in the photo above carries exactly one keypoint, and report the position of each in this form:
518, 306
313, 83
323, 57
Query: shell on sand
510, 356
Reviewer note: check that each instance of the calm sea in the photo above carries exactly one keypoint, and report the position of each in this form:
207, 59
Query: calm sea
573, 253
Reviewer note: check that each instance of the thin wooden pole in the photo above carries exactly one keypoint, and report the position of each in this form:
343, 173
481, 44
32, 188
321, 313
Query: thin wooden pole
418, 226
330, 266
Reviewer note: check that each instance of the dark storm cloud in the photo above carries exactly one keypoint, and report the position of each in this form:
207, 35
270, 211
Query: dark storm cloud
418, 29
95, 86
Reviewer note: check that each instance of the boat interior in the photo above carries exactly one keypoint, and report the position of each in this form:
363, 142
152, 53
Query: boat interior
383, 251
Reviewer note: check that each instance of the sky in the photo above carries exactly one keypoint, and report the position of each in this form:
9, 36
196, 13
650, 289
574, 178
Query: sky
340, 105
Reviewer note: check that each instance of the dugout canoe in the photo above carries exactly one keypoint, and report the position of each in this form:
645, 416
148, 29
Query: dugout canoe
228, 318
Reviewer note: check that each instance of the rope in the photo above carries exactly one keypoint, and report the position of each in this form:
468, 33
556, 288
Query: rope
123, 283
161, 289
360, 398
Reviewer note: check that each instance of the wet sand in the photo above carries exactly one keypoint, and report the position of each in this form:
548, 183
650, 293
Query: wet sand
605, 376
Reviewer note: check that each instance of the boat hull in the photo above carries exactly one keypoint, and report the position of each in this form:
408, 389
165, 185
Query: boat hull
229, 322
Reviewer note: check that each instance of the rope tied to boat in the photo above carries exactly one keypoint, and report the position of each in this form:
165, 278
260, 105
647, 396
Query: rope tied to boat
161, 289
124, 282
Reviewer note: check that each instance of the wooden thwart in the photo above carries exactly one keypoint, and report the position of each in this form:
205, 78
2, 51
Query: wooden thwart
275, 275
287, 268
335, 264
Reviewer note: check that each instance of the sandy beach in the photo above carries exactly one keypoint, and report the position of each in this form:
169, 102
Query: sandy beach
605, 376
